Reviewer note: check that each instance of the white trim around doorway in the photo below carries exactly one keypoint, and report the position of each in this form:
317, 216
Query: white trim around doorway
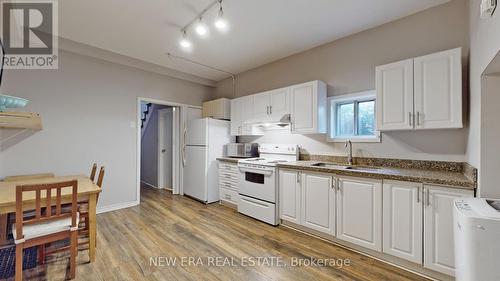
177, 188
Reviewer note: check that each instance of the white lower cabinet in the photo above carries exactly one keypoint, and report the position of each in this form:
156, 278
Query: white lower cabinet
308, 199
407, 220
359, 212
439, 254
289, 194
228, 182
318, 202
402, 220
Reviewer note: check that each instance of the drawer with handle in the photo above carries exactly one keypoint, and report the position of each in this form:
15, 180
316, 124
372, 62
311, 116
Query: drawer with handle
226, 171
228, 185
228, 167
228, 195
228, 175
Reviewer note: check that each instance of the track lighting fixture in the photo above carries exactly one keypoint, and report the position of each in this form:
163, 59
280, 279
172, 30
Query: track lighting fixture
201, 28
220, 22
184, 42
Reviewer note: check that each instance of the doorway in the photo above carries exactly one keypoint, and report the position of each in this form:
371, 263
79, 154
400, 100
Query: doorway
157, 142
159, 151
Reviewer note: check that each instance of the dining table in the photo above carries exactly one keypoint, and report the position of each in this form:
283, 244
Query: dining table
87, 191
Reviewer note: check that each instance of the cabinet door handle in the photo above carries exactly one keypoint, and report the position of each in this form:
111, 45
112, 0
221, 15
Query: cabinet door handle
298, 177
409, 118
267, 110
428, 197
418, 118
270, 109
418, 194
333, 183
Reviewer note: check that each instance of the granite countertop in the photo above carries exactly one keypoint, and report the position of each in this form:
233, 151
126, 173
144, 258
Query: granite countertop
229, 159
440, 177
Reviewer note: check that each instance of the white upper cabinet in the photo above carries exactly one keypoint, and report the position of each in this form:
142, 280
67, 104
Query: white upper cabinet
270, 105
394, 84
279, 103
218, 109
438, 90
308, 108
261, 106
236, 118
318, 202
306, 104
241, 114
420, 93
402, 220
359, 212
289, 194
439, 253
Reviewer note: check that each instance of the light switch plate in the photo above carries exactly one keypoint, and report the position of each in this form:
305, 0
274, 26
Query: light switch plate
487, 8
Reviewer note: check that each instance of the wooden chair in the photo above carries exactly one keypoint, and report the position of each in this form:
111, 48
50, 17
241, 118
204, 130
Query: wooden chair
92, 172
48, 226
84, 210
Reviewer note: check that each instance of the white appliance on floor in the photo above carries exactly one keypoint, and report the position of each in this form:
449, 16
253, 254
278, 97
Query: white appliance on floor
477, 239
258, 181
204, 141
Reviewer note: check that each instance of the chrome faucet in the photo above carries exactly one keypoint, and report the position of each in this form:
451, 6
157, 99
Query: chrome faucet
348, 144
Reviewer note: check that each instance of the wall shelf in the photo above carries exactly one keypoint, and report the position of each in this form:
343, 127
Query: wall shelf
20, 120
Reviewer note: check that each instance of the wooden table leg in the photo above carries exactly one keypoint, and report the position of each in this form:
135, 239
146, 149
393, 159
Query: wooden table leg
3, 229
92, 226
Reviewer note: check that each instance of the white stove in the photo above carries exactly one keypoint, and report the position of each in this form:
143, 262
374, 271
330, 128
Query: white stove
258, 181
261, 162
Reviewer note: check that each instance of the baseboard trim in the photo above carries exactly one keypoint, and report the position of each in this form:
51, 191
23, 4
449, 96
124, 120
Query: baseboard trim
114, 207
151, 185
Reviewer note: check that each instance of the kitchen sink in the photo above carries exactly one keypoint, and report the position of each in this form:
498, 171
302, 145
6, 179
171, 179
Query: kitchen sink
344, 167
359, 168
331, 166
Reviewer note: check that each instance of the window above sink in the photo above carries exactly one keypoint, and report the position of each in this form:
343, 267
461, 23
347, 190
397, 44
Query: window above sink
352, 117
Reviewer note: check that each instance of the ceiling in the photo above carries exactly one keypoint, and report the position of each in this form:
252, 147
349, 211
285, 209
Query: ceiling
261, 31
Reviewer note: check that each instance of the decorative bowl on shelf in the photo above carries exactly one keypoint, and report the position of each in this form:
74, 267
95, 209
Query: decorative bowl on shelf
11, 102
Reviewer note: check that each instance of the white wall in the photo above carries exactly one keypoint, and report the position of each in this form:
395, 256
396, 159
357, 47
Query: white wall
490, 134
431, 145
348, 65
484, 45
87, 107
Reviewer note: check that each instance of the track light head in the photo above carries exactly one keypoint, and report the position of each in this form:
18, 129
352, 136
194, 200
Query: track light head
201, 28
184, 42
220, 22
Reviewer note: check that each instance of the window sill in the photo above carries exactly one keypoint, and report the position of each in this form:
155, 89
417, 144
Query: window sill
355, 139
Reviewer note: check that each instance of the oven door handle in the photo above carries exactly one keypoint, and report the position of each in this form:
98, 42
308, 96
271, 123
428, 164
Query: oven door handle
254, 202
262, 172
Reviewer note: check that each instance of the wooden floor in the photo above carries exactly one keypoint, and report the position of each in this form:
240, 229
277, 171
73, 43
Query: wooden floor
166, 225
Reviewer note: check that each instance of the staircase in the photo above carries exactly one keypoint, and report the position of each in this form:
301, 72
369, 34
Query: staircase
146, 109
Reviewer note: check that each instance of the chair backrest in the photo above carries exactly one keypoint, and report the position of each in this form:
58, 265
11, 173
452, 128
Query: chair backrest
100, 178
92, 172
49, 214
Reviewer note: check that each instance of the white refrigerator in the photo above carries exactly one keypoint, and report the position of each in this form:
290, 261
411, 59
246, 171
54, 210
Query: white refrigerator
203, 143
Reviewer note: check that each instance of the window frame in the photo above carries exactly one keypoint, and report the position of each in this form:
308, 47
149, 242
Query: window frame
356, 98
